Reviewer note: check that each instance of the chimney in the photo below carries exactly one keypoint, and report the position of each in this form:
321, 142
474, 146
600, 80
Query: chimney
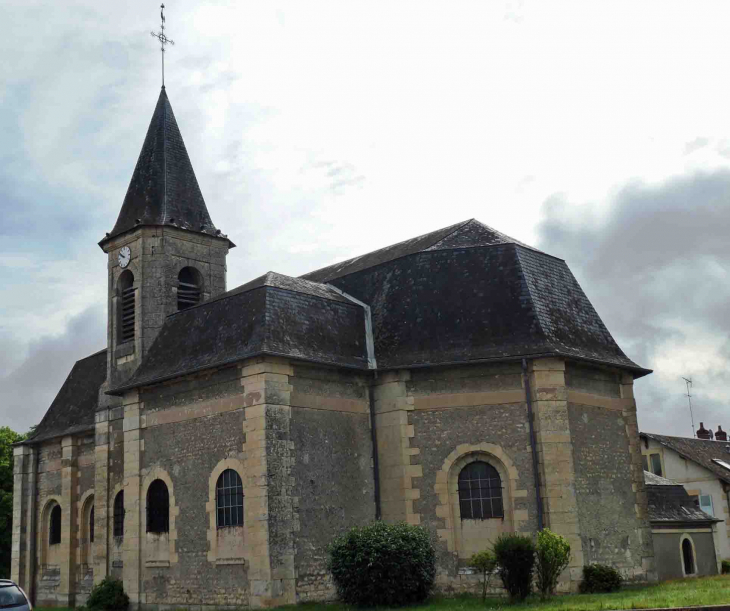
720, 435
703, 433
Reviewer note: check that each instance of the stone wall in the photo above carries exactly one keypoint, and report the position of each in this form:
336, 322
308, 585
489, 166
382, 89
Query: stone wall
609, 482
332, 469
668, 547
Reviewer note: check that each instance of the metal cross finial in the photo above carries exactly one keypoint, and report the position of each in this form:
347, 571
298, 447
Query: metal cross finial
163, 40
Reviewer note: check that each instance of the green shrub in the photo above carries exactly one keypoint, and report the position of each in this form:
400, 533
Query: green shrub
516, 558
108, 595
551, 559
600, 578
485, 562
725, 566
383, 564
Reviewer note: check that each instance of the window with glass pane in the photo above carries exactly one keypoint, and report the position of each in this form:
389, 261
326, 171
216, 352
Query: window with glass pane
706, 504
480, 492
656, 464
229, 499
158, 507
119, 514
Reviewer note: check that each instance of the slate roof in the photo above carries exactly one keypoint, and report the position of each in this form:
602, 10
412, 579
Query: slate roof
73, 409
273, 315
467, 234
163, 189
670, 504
701, 451
465, 293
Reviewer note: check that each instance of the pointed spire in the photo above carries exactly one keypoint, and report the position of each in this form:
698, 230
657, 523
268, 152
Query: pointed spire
163, 189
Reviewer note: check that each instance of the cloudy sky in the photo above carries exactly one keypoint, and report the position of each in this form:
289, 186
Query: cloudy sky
597, 131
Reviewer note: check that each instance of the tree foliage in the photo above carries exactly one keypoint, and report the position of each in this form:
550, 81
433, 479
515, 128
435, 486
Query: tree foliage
551, 559
383, 564
485, 562
7, 438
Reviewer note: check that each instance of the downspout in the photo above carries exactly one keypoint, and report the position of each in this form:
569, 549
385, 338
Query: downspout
374, 440
373, 366
533, 444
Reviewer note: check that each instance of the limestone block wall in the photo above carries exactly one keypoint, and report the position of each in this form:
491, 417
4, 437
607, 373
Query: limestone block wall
433, 422
189, 432
332, 468
609, 482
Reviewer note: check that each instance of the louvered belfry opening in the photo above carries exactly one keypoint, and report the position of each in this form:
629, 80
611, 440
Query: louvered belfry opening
126, 307
189, 288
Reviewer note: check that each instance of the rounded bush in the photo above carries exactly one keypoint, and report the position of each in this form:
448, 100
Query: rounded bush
600, 578
516, 558
552, 558
383, 564
725, 567
108, 595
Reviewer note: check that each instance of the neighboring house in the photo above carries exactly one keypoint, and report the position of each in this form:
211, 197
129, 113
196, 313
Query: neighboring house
683, 535
702, 466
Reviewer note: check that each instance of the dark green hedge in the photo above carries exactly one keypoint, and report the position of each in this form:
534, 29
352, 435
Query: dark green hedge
383, 565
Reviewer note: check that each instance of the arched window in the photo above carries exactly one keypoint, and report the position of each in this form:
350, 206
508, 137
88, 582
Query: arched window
54, 530
119, 514
229, 499
126, 306
158, 507
91, 525
189, 288
480, 492
688, 557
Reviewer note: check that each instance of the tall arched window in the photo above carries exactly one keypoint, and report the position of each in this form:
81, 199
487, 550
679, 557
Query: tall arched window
189, 288
158, 507
91, 525
229, 499
119, 514
480, 492
54, 530
126, 306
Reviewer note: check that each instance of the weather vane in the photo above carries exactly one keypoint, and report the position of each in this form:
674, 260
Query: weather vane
163, 40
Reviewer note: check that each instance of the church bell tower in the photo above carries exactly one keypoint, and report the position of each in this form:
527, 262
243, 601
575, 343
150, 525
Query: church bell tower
164, 253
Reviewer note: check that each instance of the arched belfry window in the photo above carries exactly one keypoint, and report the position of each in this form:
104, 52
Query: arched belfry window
119, 514
91, 525
229, 499
158, 507
54, 530
189, 288
480, 492
126, 306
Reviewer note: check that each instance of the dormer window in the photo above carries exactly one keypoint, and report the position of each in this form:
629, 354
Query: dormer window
126, 307
189, 288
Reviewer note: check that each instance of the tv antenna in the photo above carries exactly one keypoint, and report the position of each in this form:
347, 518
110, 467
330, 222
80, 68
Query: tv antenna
688, 382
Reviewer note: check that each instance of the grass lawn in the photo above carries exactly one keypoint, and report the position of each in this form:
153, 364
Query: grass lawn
679, 593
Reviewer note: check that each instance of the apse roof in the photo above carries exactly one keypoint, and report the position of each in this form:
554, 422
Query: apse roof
163, 189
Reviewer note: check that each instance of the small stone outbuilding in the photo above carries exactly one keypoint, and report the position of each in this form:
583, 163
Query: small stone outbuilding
683, 534
460, 380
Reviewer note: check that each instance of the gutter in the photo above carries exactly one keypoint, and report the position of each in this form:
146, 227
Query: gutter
533, 444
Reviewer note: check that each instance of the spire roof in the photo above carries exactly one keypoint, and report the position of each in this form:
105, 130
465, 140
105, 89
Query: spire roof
163, 189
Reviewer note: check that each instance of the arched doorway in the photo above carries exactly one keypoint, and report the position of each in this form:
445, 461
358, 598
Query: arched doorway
688, 557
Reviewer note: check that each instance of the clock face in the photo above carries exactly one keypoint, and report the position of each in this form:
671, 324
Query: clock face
124, 256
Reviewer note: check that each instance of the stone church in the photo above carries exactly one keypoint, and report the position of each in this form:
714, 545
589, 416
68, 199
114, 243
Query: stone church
460, 380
